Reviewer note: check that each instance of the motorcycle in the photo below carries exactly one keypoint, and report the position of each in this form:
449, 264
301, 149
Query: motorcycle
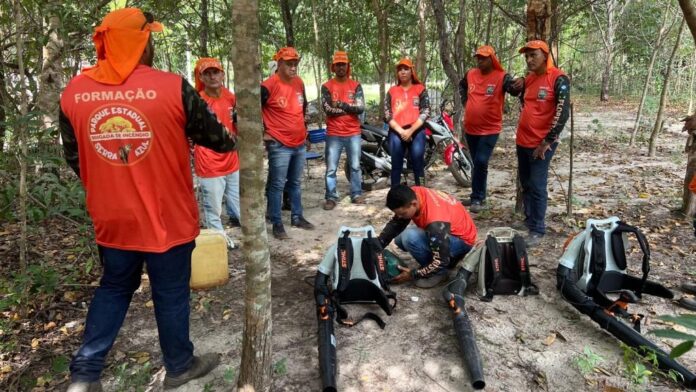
375, 158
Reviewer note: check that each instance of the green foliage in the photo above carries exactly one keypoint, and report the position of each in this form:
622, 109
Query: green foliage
280, 368
688, 339
133, 378
28, 287
637, 361
588, 361
230, 375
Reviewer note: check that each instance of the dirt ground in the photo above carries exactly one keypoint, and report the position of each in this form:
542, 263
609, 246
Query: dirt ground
527, 343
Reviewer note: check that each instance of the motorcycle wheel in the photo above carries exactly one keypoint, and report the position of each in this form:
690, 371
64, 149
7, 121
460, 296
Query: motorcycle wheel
461, 168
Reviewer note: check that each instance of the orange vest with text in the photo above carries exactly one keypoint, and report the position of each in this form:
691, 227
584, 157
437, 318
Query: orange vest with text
405, 104
484, 104
134, 159
207, 162
283, 114
438, 206
347, 124
539, 108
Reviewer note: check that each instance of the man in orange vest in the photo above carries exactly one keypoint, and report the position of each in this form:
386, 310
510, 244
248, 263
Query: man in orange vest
218, 173
284, 105
342, 100
545, 110
482, 91
125, 127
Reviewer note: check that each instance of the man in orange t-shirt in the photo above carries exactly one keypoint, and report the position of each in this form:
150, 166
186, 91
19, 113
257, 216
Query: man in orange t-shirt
125, 129
482, 91
284, 104
218, 173
342, 100
443, 235
545, 110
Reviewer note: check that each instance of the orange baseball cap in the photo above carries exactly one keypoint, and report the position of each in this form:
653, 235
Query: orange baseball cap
407, 62
488, 51
201, 65
535, 44
287, 53
340, 57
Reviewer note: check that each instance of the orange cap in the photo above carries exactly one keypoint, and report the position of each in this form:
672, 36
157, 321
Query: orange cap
407, 62
287, 53
201, 65
539, 44
120, 40
488, 51
340, 57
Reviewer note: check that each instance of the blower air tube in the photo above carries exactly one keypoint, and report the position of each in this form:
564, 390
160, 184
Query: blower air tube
453, 294
325, 333
619, 329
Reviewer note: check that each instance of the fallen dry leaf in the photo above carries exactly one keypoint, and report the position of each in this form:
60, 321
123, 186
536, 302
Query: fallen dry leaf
550, 339
49, 326
35, 343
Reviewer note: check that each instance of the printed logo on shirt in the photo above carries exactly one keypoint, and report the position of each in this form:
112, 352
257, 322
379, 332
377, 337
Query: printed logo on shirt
490, 89
399, 105
351, 96
282, 102
300, 99
542, 94
415, 102
120, 134
446, 198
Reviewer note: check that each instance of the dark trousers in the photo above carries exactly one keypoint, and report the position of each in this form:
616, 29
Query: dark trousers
416, 155
534, 175
481, 149
169, 275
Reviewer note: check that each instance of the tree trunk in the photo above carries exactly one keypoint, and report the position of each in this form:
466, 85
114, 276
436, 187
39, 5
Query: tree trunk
380, 12
691, 84
317, 68
488, 25
287, 22
51, 76
538, 20
662, 33
421, 68
689, 11
688, 197
21, 129
205, 28
256, 362
3, 113
445, 54
460, 53
663, 96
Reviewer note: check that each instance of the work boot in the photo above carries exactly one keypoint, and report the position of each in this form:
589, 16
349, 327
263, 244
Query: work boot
432, 281
279, 232
302, 223
689, 288
476, 206
85, 386
360, 199
533, 239
466, 202
329, 204
200, 367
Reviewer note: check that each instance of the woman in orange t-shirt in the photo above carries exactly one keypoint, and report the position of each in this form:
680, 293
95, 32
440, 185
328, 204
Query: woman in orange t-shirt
406, 107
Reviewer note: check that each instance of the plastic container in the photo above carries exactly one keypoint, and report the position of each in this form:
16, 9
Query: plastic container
209, 261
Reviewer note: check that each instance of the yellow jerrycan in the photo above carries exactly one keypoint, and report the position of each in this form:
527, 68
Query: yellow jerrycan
209, 260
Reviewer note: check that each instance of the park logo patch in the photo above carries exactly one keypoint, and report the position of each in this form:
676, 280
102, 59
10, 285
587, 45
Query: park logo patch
120, 134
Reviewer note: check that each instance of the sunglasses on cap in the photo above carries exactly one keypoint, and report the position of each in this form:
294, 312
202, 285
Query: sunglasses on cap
149, 18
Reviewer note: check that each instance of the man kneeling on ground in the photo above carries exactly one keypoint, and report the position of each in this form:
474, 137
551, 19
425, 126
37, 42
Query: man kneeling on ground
443, 235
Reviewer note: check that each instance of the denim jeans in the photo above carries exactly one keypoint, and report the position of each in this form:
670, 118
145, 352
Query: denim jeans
169, 273
481, 148
284, 164
416, 155
534, 175
213, 190
414, 240
333, 147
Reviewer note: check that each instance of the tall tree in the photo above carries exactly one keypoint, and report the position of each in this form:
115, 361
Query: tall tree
688, 198
614, 13
286, 12
255, 368
22, 131
663, 96
380, 9
538, 20
421, 68
51, 76
205, 28
446, 54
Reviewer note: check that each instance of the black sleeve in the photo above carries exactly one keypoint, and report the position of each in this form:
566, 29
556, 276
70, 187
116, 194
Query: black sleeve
508, 81
562, 92
327, 103
388, 115
304, 101
424, 105
359, 99
202, 126
67, 134
438, 240
264, 95
464, 89
392, 229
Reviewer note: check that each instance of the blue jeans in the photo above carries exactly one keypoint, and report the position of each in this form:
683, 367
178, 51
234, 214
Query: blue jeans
534, 175
416, 155
284, 164
414, 240
169, 274
481, 149
333, 147
213, 190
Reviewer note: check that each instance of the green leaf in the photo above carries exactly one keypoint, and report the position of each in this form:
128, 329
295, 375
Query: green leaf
686, 320
672, 334
229, 375
60, 364
681, 349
